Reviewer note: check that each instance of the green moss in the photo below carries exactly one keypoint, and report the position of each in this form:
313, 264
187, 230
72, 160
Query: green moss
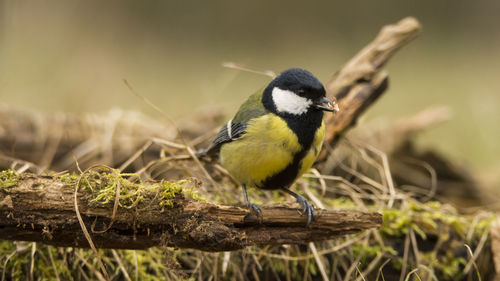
8, 178
397, 222
70, 179
434, 218
103, 184
447, 265
422, 219
100, 186
312, 267
169, 190
368, 251
425, 218
151, 264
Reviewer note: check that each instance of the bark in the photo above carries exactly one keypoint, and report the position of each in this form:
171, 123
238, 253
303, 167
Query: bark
359, 83
41, 208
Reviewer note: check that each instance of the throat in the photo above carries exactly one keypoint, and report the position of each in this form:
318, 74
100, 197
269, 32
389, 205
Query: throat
304, 126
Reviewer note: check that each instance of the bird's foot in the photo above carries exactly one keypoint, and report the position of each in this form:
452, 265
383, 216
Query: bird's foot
256, 209
307, 208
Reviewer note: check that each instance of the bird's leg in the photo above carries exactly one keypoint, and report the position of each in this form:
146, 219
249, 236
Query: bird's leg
255, 207
306, 206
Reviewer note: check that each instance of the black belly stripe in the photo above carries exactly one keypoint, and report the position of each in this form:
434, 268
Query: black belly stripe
287, 176
305, 129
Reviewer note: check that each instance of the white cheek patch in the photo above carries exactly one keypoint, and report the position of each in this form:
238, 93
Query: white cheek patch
289, 102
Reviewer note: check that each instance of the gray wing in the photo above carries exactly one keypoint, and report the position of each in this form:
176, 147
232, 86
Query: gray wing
229, 132
236, 127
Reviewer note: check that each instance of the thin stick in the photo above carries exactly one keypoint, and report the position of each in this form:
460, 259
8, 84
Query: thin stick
82, 224
321, 253
120, 264
92, 268
321, 181
185, 146
197, 160
432, 173
319, 262
477, 251
388, 175
52, 262
469, 251
136, 264
32, 263
370, 267
405, 258
414, 246
236, 66
136, 155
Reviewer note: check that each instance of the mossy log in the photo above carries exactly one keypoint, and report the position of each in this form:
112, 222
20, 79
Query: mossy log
41, 208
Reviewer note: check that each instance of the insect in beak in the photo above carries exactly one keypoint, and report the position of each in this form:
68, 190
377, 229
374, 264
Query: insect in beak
327, 105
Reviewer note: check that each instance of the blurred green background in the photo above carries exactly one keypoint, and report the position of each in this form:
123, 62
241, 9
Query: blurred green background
72, 56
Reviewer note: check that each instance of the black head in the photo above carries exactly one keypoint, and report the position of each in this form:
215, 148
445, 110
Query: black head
301, 82
295, 92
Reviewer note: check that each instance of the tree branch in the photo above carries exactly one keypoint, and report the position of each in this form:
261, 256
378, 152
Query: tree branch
40, 208
359, 83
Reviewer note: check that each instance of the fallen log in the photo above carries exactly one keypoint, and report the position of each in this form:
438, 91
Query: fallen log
41, 208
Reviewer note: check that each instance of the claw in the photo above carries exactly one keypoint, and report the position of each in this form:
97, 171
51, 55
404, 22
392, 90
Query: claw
254, 207
307, 208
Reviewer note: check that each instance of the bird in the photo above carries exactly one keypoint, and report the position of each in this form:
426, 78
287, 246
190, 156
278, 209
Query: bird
275, 136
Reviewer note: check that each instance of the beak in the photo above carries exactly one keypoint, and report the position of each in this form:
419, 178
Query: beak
327, 105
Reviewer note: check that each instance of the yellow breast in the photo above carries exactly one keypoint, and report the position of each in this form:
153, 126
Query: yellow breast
267, 147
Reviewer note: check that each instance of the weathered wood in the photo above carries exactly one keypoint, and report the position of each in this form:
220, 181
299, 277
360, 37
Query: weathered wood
53, 141
40, 208
359, 83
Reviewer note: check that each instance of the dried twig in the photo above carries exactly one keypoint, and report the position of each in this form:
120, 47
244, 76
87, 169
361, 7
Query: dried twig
359, 82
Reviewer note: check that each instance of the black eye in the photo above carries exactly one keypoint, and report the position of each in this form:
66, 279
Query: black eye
301, 91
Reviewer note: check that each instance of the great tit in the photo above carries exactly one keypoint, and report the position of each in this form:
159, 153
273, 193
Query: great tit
276, 135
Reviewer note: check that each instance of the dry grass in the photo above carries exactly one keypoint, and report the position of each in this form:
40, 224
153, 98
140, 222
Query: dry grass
419, 241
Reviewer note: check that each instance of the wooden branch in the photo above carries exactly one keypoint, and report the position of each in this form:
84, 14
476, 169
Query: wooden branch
40, 208
359, 83
53, 141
